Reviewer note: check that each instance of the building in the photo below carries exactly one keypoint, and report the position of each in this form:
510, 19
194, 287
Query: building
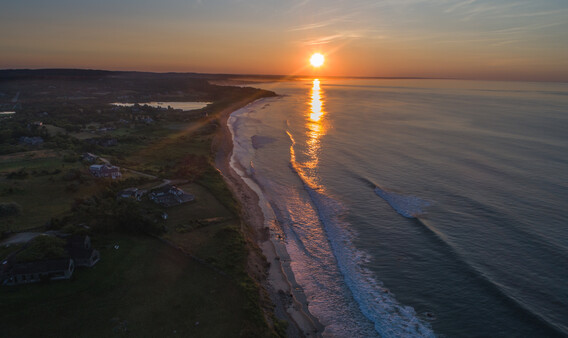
105, 170
30, 141
133, 193
37, 271
79, 253
89, 157
80, 250
170, 195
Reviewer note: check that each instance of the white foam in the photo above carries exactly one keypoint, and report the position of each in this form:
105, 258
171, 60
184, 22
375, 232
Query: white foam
390, 318
371, 300
407, 206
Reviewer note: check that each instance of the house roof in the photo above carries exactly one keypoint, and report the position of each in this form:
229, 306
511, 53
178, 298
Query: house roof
43, 266
80, 253
77, 241
130, 190
165, 189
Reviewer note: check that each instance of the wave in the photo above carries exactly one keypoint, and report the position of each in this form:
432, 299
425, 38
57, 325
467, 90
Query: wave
390, 318
406, 205
411, 207
492, 286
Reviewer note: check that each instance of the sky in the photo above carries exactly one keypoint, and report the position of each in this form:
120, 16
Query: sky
471, 39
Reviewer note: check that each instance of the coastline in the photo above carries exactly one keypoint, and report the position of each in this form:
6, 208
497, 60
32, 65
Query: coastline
277, 278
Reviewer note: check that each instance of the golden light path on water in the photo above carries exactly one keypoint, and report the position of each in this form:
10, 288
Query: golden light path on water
315, 125
315, 130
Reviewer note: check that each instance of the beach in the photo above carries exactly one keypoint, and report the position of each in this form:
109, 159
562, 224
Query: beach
408, 209
284, 292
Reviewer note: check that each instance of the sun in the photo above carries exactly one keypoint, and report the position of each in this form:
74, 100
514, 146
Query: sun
317, 60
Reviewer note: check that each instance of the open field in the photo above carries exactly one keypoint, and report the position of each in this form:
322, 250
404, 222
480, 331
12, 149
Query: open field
43, 192
144, 288
47, 189
35, 159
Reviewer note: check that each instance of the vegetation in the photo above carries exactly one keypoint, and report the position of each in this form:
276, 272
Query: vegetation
200, 289
142, 289
10, 209
42, 247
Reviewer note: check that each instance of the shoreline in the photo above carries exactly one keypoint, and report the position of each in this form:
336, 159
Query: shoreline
287, 296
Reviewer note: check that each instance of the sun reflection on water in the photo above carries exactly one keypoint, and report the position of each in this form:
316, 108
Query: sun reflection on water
315, 125
316, 103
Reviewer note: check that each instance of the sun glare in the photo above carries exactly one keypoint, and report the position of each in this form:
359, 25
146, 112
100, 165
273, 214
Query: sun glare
317, 60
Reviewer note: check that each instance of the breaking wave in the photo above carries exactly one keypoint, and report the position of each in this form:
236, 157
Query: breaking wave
390, 318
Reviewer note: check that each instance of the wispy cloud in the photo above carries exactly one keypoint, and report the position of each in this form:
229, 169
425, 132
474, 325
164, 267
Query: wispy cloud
488, 9
558, 13
331, 38
458, 6
311, 26
299, 5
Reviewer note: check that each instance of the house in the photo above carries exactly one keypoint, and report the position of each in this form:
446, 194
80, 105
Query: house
134, 193
79, 253
37, 271
105, 170
80, 250
89, 157
103, 142
170, 195
30, 141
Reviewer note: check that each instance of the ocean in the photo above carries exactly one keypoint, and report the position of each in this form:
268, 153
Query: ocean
417, 207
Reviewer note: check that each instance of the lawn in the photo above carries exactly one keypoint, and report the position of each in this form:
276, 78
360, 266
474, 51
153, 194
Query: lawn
142, 289
43, 193
35, 159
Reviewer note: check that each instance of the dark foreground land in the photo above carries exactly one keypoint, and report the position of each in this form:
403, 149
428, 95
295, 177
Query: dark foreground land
182, 270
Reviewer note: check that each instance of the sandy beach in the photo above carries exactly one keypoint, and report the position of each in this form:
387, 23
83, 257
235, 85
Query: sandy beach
277, 277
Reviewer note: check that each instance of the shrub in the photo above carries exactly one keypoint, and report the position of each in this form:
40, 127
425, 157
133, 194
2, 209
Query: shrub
10, 209
20, 174
73, 187
72, 174
42, 247
70, 158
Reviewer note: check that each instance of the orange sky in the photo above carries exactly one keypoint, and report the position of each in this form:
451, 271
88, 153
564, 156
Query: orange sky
509, 40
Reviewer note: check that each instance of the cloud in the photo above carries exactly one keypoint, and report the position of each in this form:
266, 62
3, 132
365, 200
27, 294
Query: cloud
458, 6
310, 26
332, 38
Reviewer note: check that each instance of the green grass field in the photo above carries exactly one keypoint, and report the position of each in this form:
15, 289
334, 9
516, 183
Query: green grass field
143, 289
43, 194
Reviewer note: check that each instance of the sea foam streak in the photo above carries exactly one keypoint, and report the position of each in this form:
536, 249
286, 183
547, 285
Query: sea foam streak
407, 206
390, 318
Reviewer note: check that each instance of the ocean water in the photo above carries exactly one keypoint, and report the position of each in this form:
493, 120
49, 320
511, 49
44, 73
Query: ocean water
417, 207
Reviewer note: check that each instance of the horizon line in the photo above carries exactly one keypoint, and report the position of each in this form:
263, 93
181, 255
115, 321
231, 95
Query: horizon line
284, 77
